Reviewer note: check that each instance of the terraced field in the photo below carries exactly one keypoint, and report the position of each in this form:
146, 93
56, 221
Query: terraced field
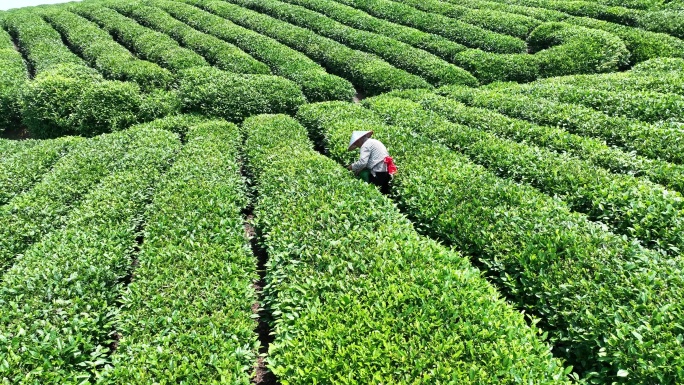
174, 206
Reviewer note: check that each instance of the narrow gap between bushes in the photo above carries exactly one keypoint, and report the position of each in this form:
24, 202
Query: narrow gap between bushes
135, 253
128, 278
69, 45
15, 42
262, 375
116, 38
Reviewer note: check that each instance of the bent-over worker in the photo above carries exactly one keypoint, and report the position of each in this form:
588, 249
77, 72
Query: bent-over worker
374, 158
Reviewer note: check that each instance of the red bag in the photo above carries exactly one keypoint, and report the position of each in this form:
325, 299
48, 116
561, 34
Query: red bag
391, 167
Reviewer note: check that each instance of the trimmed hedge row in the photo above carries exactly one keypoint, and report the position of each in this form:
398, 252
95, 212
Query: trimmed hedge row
216, 51
455, 30
358, 296
559, 49
660, 65
72, 99
486, 66
372, 74
316, 84
60, 300
193, 285
234, 97
38, 41
637, 208
645, 139
592, 150
643, 45
5, 39
49, 102
9, 147
535, 13
502, 22
636, 4
665, 21
435, 44
143, 42
403, 56
102, 52
624, 81
13, 76
640, 105
44, 208
587, 50
673, 4
610, 307
20, 171
590, 9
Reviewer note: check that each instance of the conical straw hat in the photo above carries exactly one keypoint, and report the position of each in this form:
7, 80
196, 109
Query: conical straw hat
358, 135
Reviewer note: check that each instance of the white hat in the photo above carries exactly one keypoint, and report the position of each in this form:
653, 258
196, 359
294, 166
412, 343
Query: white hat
357, 135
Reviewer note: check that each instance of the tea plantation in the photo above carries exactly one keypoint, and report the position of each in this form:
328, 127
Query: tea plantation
174, 207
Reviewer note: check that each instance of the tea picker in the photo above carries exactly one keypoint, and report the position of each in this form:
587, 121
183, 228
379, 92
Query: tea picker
374, 165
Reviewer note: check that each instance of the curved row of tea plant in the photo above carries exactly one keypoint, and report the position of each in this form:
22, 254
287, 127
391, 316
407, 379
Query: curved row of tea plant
74, 99
208, 90
357, 293
435, 44
216, 93
67, 97
192, 287
316, 84
558, 49
100, 50
402, 55
40, 44
535, 13
630, 206
610, 307
641, 105
647, 140
589, 149
502, 22
642, 44
60, 300
665, 21
20, 171
372, 74
646, 77
455, 30
143, 42
219, 53
26, 218
581, 50
636, 4
13, 75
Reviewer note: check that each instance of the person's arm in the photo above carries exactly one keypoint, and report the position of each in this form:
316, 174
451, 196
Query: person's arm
363, 160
